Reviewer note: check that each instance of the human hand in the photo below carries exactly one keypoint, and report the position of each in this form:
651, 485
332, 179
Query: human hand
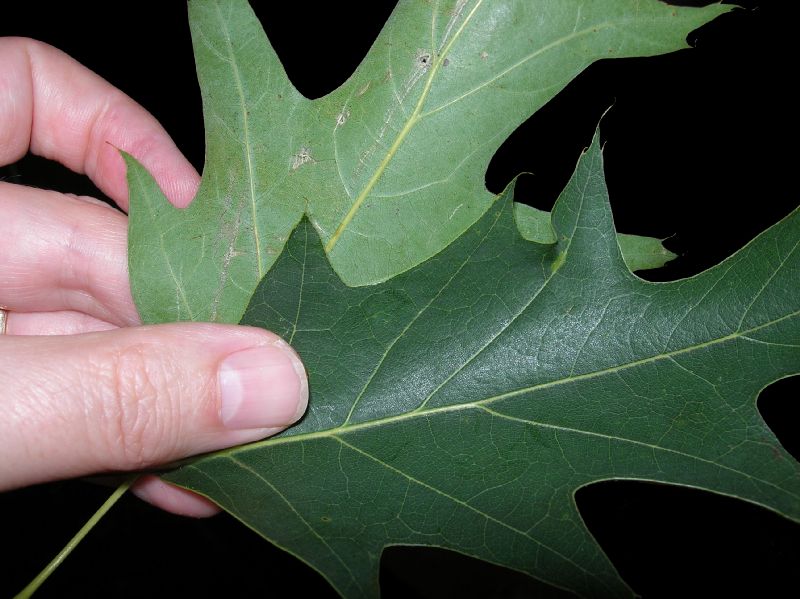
84, 389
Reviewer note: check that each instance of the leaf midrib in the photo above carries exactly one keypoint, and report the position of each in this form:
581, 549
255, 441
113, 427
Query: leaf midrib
247, 145
483, 403
417, 115
412, 120
337, 433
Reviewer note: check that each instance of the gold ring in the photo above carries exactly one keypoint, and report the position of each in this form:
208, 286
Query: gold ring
3, 320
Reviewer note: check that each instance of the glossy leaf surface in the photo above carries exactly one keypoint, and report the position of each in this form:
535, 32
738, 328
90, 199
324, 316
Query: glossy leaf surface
463, 403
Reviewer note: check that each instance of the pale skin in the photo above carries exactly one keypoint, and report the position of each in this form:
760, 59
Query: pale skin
83, 387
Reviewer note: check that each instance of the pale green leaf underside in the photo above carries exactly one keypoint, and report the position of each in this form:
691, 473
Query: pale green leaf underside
463, 403
638, 252
390, 166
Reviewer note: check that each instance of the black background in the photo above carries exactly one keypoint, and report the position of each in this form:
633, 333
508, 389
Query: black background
698, 149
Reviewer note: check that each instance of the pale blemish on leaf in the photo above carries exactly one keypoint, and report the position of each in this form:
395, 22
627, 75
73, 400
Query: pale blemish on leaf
342, 117
228, 232
303, 156
363, 89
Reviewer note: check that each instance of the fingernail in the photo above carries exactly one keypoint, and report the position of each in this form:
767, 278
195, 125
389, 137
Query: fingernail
262, 387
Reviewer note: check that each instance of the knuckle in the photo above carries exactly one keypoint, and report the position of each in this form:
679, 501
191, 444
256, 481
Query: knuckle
137, 408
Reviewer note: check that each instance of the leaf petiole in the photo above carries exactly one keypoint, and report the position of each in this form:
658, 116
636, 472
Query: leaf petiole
34, 584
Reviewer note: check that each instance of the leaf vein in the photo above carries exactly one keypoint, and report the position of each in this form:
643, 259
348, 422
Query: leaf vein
416, 317
351, 428
401, 136
766, 284
247, 144
299, 516
649, 446
457, 501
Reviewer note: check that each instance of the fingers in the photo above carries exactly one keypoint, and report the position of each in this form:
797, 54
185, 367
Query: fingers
129, 399
61, 253
66, 273
52, 105
53, 323
173, 499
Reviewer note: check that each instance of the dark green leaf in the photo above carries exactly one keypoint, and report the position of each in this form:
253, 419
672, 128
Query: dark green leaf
463, 403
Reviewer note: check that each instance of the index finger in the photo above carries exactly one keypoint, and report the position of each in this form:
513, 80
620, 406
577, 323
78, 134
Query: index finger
55, 107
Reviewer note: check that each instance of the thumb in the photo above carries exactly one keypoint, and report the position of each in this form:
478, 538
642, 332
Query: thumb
131, 398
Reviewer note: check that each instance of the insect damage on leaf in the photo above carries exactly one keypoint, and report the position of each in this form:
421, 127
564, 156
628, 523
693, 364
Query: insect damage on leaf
302, 157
